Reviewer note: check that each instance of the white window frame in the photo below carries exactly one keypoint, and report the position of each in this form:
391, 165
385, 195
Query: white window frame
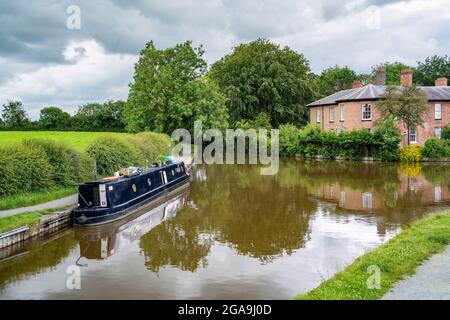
341, 112
318, 115
331, 114
363, 110
367, 200
438, 132
437, 111
412, 133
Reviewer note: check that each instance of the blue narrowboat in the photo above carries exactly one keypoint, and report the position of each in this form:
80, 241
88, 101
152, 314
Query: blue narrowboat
116, 197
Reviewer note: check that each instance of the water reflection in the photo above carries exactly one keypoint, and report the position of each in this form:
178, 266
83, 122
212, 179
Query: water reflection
235, 234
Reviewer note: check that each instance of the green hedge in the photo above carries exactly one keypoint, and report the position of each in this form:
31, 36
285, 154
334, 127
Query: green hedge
311, 141
113, 153
436, 149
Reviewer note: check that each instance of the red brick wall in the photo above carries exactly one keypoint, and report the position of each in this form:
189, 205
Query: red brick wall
353, 119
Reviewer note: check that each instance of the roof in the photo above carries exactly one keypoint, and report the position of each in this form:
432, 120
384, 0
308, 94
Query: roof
374, 92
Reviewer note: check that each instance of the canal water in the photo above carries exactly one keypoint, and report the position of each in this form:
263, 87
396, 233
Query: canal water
233, 234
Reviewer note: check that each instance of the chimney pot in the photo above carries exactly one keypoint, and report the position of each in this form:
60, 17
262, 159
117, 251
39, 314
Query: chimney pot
406, 77
381, 77
357, 84
441, 82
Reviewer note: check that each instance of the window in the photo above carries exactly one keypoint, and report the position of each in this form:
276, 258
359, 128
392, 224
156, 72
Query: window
318, 115
332, 114
341, 112
367, 200
412, 136
437, 193
437, 111
366, 112
437, 132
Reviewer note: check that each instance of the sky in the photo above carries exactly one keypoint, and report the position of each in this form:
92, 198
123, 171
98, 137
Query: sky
68, 53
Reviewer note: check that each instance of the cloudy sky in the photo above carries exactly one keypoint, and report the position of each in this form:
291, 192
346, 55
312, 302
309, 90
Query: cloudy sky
47, 58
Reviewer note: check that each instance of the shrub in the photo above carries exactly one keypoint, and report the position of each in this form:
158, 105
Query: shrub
355, 144
410, 154
445, 134
387, 138
111, 154
436, 149
24, 168
289, 139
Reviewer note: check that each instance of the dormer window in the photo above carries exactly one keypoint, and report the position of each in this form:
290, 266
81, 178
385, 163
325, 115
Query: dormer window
366, 112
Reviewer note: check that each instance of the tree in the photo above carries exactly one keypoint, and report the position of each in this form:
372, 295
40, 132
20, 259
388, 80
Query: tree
431, 69
393, 72
54, 118
170, 91
106, 116
262, 77
14, 115
335, 79
407, 104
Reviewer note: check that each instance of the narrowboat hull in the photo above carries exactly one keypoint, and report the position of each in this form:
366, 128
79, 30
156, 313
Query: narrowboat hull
103, 202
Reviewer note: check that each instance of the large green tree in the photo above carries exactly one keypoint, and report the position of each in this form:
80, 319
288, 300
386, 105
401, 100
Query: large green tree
262, 77
393, 71
407, 104
14, 115
431, 69
335, 79
106, 116
54, 118
170, 91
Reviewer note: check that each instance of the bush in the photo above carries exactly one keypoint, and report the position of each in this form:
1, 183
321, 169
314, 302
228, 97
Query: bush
436, 149
410, 154
445, 134
355, 144
24, 168
113, 153
289, 139
387, 138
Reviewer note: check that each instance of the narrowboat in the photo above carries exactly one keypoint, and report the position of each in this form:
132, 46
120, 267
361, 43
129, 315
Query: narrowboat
116, 197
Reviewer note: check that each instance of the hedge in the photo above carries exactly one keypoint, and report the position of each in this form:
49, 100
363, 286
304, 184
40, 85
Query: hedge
113, 153
311, 141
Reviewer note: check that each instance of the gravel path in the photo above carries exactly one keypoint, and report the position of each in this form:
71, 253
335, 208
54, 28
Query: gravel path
63, 202
431, 281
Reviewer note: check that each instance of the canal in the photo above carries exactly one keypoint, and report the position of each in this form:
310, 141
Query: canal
233, 234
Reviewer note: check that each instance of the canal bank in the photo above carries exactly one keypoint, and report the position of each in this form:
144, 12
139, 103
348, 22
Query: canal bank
372, 275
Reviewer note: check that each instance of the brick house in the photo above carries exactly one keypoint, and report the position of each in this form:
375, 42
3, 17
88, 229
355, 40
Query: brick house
356, 108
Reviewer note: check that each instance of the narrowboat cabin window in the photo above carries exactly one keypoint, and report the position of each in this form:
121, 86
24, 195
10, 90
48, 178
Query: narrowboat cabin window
134, 188
149, 181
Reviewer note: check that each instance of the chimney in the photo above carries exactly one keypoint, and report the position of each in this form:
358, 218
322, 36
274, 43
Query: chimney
381, 77
357, 84
406, 77
441, 82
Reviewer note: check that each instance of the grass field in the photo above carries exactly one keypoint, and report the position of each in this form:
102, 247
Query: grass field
77, 140
23, 219
31, 198
396, 259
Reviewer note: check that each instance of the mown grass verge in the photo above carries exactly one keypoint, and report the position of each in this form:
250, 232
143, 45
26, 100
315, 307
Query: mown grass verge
35, 197
23, 219
396, 259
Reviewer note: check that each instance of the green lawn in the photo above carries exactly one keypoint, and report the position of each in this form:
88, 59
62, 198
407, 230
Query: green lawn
31, 198
78, 140
23, 219
396, 259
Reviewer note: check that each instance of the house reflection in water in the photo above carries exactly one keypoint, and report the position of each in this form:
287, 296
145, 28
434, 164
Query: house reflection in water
104, 241
372, 197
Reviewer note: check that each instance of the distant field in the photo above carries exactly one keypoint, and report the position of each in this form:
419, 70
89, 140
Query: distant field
77, 140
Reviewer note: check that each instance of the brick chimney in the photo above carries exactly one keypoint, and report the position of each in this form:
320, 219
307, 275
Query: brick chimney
406, 77
441, 82
357, 84
381, 77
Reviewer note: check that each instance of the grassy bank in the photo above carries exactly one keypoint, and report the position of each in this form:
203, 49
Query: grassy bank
23, 219
31, 198
77, 140
396, 259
